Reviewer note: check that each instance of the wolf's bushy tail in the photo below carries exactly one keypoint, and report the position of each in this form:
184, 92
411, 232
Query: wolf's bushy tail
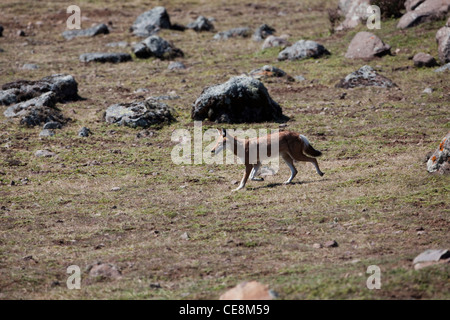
307, 147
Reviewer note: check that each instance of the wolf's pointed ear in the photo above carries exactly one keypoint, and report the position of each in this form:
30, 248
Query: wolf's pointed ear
224, 132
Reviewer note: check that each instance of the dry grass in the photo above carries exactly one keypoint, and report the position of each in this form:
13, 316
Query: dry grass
376, 192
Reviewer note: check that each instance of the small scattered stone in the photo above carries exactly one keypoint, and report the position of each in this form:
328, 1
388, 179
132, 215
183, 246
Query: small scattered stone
317, 245
273, 41
233, 33
84, 132
52, 125
46, 133
90, 32
439, 161
445, 67
185, 236
30, 66
44, 154
120, 44
155, 285
155, 46
331, 244
201, 24
115, 189
303, 49
424, 60
262, 32
365, 76
21, 33
176, 65
428, 90
103, 57
105, 271
299, 78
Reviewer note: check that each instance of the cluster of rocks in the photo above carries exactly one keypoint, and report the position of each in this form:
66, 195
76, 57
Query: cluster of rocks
420, 11
356, 12
34, 102
268, 72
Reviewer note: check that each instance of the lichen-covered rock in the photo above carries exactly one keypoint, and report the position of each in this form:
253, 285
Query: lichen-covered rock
262, 32
443, 40
90, 32
113, 57
272, 41
201, 24
36, 111
243, 32
365, 76
366, 45
440, 160
424, 60
155, 46
150, 22
63, 86
139, 114
428, 10
303, 49
241, 99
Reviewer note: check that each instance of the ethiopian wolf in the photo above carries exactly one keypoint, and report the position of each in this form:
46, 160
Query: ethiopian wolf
291, 146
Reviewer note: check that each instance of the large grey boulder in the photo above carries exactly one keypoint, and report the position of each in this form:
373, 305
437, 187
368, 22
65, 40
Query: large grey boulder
243, 32
150, 22
36, 111
139, 114
365, 76
63, 86
443, 40
113, 57
90, 32
366, 45
428, 10
440, 160
303, 49
201, 24
241, 99
155, 46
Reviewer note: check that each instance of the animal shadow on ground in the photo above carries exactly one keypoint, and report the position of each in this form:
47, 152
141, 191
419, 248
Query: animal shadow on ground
278, 184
